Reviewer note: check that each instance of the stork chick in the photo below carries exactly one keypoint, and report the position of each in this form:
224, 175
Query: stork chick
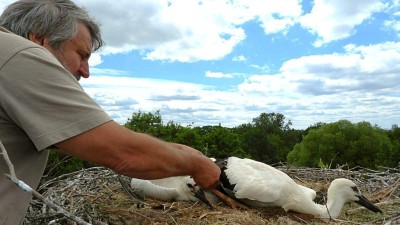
259, 185
179, 188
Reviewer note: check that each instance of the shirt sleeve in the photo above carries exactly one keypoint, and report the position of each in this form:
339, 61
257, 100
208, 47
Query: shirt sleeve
45, 100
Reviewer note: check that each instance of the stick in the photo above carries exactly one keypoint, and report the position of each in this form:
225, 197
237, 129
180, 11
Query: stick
7, 159
12, 176
49, 203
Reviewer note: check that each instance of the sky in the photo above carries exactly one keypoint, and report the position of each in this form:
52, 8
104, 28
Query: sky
224, 62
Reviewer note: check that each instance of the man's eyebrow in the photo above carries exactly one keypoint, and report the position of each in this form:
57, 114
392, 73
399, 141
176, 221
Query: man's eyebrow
86, 53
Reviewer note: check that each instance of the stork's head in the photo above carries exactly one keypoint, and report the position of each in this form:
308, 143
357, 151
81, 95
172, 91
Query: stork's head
197, 191
347, 190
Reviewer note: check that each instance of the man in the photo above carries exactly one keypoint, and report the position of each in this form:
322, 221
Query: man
42, 105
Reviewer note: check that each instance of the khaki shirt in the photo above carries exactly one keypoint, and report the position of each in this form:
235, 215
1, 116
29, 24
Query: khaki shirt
41, 104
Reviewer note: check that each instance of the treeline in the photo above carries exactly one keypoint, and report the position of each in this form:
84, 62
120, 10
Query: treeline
269, 139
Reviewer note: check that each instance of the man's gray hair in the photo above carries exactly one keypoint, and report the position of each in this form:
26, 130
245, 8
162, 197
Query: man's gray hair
56, 19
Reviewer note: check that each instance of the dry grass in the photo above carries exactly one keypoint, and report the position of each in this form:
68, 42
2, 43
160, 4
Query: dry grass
96, 196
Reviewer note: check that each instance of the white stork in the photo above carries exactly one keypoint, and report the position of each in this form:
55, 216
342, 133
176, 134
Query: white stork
178, 188
259, 185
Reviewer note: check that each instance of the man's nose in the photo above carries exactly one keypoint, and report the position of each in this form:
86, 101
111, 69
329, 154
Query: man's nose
84, 69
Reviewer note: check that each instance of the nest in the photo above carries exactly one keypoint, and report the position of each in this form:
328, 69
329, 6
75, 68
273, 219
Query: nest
96, 196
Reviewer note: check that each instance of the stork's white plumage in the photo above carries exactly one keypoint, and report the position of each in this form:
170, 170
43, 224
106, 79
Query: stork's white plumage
179, 188
260, 185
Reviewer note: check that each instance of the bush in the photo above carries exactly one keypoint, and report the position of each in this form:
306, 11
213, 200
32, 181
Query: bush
342, 143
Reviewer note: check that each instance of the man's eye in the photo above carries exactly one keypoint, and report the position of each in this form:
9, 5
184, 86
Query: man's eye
83, 56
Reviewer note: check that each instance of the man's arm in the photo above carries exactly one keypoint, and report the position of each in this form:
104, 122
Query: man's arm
140, 155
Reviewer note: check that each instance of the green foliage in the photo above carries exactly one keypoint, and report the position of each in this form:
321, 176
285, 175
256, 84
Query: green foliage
314, 127
190, 137
322, 165
59, 164
342, 143
222, 142
290, 138
145, 123
268, 138
394, 136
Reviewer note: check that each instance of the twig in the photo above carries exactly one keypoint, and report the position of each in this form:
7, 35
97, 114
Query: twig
388, 220
134, 212
346, 221
141, 215
7, 159
12, 176
330, 164
53, 180
208, 213
170, 207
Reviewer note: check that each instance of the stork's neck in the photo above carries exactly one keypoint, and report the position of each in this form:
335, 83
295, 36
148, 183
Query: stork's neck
330, 210
334, 206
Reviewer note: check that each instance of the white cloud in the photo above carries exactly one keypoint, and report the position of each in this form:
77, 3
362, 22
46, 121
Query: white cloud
361, 81
211, 74
121, 96
277, 16
186, 30
393, 25
356, 80
309, 89
360, 68
239, 58
95, 59
262, 68
335, 20
317, 88
190, 31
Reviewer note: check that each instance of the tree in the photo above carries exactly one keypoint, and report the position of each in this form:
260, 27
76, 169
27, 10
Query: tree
190, 137
290, 138
341, 143
170, 131
394, 136
313, 127
145, 123
264, 138
221, 142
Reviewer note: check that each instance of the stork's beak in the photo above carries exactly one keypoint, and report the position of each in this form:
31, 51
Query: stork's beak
199, 193
367, 204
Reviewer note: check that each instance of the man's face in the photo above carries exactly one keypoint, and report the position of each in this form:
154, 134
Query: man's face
75, 53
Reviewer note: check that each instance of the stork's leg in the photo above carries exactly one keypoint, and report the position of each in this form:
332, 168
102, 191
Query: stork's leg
229, 201
138, 198
127, 188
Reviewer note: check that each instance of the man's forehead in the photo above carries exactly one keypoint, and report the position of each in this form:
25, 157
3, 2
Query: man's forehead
84, 38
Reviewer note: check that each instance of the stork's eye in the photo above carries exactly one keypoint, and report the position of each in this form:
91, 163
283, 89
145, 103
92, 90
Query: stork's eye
355, 189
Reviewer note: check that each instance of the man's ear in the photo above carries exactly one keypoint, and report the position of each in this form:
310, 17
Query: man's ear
36, 39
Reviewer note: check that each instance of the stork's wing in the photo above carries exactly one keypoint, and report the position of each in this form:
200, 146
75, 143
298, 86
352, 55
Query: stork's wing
309, 192
257, 181
150, 189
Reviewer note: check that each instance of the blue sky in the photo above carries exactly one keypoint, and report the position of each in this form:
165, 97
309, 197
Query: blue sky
225, 62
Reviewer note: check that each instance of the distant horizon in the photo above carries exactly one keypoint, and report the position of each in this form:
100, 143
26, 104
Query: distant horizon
216, 62
393, 126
